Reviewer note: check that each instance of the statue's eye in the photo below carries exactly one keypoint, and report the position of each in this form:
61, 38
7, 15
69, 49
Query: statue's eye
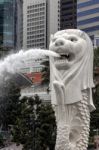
73, 39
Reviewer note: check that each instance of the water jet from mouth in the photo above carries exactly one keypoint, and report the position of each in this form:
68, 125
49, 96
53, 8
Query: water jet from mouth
14, 62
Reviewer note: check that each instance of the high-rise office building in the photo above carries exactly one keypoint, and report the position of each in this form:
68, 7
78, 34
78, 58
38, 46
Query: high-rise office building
68, 14
19, 24
10, 12
34, 23
41, 18
88, 18
53, 18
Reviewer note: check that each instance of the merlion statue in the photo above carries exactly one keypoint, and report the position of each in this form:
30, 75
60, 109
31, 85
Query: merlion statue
71, 87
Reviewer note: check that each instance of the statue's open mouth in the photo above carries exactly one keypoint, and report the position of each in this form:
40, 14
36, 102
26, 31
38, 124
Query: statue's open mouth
64, 56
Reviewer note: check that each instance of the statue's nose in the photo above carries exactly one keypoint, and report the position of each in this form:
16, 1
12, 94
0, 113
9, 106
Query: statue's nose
59, 43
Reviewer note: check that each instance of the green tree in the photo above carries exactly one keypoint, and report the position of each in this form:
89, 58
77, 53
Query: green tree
1, 141
9, 98
47, 128
95, 115
35, 125
96, 57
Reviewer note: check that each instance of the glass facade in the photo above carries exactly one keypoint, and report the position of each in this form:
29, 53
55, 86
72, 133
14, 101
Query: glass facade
7, 23
87, 3
68, 14
36, 25
88, 16
1, 24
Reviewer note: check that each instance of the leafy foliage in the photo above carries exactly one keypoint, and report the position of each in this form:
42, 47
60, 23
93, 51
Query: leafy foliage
9, 98
1, 141
95, 115
96, 57
35, 125
32, 122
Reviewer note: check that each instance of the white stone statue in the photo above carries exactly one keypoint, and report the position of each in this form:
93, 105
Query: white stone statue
71, 87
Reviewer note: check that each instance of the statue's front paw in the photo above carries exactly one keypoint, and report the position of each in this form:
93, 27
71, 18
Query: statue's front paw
60, 92
57, 83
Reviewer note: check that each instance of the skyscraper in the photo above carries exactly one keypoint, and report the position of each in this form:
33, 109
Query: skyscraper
9, 21
53, 18
88, 17
34, 23
41, 19
19, 24
68, 14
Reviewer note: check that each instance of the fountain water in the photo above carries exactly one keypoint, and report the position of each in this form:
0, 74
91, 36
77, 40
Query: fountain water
12, 63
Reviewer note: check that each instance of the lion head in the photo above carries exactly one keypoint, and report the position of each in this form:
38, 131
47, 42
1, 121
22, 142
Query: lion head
71, 44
